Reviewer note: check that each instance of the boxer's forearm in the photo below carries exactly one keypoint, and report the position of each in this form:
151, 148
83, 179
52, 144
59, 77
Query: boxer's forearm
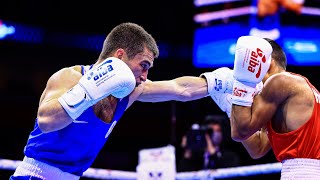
257, 145
191, 88
185, 88
241, 123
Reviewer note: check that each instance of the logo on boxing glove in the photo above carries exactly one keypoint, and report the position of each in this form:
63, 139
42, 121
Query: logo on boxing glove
218, 85
254, 61
101, 71
239, 92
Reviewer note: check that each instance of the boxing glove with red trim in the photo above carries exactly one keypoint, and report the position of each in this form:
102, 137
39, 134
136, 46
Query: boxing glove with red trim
224, 100
251, 63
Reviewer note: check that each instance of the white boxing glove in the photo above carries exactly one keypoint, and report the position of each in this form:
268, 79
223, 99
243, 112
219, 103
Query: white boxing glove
219, 80
224, 100
110, 77
251, 63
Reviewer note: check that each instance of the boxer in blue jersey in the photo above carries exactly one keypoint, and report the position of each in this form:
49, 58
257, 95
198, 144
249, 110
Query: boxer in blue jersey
81, 104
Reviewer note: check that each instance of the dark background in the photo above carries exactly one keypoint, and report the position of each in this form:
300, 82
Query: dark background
25, 68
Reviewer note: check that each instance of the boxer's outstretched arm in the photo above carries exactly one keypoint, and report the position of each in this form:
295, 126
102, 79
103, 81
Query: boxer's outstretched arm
50, 113
185, 88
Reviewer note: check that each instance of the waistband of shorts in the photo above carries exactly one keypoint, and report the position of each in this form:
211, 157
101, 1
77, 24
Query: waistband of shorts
302, 161
33, 167
300, 168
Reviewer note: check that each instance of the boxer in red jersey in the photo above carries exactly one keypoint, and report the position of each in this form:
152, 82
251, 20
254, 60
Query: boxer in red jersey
284, 116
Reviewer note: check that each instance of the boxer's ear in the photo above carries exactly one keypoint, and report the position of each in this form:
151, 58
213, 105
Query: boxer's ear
120, 53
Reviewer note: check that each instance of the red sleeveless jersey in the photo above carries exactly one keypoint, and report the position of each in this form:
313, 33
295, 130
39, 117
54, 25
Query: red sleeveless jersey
303, 142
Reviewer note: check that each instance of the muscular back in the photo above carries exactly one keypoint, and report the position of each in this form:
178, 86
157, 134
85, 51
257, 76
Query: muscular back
294, 100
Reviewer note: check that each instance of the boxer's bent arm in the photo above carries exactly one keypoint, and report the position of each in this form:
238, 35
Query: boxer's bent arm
247, 120
185, 88
51, 115
258, 144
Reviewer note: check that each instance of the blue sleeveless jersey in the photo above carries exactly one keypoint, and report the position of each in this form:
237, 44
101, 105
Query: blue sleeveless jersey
73, 148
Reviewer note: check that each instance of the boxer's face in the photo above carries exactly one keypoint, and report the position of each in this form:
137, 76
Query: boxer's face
270, 71
140, 65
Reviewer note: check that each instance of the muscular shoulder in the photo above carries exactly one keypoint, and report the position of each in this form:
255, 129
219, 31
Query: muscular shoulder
61, 81
285, 80
283, 85
69, 71
65, 76
277, 78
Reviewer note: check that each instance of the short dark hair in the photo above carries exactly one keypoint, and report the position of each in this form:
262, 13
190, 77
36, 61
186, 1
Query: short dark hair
131, 37
278, 54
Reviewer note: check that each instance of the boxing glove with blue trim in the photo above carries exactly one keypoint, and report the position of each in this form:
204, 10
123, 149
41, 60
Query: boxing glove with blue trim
110, 77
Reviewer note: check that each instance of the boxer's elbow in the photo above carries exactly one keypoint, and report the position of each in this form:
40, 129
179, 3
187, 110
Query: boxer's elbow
44, 120
239, 135
240, 128
44, 125
256, 155
47, 123
258, 151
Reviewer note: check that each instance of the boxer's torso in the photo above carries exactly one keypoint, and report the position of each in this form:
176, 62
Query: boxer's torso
297, 106
74, 148
297, 137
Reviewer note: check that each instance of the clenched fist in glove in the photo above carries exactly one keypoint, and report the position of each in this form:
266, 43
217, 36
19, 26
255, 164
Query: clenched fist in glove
110, 77
220, 82
251, 63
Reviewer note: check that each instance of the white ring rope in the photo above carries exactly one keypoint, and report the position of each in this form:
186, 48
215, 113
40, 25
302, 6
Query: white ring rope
232, 172
95, 173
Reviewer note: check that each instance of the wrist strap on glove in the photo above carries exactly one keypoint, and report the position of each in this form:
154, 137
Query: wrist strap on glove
243, 93
75, 101
219, 80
